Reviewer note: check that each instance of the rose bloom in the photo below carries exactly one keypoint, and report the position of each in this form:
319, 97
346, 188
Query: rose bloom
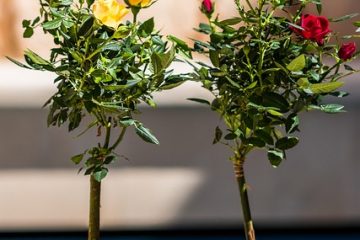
141, 3
347, 51
207, 6
109, 12
315, 28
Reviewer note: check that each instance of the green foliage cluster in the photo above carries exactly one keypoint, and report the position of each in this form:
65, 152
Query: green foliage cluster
102, 72
263, 75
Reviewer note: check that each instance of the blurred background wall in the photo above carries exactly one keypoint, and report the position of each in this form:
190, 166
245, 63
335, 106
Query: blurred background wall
186, 181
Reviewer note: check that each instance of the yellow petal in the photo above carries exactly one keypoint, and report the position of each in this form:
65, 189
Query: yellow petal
142, 3
109, 12
145, 3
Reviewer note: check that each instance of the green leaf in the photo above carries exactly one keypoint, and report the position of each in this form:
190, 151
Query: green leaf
344, 18
26, 23
328, 87
356, 24
112, 47
275, 113
265, 136
230, 136
181, 45
349, 68
232, 82
275, 157
297, 64
109, 159
122, 32
68, 24
198, 100
286, 143
86, 27
319, 8
77, 158
275, 100
332, 108
147, 27
76, 56
90, 2
29, 31
18, 63
251, 86
229, 22
292, 123
36, 58
295, 26
218, 135
35, 21
127, 122
340, 94
54, 24
100, 175
257, 142
145, 134
161, 61
214, 57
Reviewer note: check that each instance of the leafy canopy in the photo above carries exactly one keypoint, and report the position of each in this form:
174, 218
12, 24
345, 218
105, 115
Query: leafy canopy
262, 75
101, 71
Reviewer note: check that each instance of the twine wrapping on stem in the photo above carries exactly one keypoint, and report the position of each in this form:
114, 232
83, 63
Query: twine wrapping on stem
240, 177
239, 170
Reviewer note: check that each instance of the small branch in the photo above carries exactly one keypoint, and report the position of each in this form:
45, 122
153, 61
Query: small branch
120, 138
108, 134
249, 4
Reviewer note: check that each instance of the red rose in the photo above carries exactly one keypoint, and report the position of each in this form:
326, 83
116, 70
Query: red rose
315, 28
207, 6
347, 51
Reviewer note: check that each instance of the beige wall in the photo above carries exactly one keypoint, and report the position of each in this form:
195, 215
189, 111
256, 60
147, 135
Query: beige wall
9, 44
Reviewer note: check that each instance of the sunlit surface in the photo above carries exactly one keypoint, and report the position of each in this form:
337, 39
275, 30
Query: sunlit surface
59, 198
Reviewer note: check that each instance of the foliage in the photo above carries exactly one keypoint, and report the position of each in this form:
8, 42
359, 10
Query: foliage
263, 74
101, 71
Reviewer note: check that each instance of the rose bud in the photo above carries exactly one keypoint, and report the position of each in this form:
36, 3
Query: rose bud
347, 51
109, 12
315, 28
138, 3
207, 7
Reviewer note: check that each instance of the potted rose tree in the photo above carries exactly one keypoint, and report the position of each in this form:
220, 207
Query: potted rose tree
264, 69
105, 68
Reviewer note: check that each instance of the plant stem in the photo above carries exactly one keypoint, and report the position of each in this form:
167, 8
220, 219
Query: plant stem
95, 196
120, 138
94, 219
249, 4
240, 177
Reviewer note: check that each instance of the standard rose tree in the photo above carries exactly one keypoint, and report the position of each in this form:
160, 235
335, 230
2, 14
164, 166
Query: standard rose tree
263, 71
105, 68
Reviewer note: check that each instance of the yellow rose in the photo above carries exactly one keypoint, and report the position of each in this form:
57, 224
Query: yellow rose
109, 12
141, 3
